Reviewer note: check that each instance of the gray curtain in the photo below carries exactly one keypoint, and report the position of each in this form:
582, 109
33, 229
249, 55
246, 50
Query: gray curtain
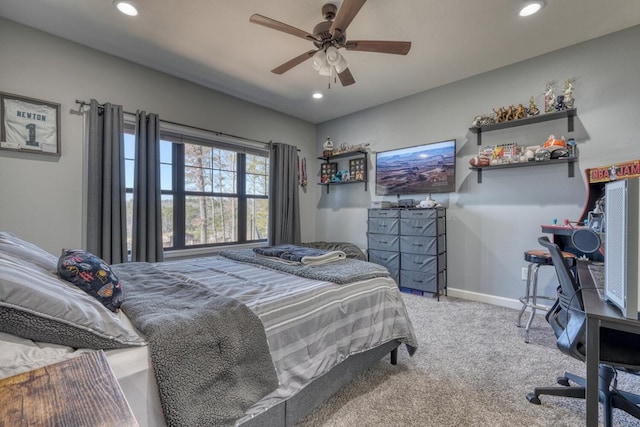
284, 203
147, 209
106, 219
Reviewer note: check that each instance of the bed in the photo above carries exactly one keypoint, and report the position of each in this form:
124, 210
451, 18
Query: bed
301, 332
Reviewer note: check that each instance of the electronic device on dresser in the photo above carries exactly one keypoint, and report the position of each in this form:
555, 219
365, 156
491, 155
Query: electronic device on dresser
622, 239
406, 203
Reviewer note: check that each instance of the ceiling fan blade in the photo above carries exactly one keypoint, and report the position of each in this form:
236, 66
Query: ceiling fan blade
345, 15
380, 46
280, 26
346, 78
293, 62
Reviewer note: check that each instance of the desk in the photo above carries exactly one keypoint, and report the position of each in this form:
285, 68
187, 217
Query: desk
599, 314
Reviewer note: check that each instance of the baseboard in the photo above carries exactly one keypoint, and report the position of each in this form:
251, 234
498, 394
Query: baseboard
485, 298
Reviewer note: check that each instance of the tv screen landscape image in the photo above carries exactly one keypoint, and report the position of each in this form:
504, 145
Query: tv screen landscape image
426, 168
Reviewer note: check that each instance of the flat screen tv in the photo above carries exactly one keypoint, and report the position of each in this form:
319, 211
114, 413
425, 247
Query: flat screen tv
426, 168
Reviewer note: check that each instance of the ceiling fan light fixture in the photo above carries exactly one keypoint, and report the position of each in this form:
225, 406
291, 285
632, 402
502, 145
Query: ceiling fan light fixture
341, 65
325, 70
319, 60
325, 61
531, 7
127, 7
333, 56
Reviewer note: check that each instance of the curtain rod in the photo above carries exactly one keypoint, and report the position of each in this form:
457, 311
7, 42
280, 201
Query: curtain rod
217, 133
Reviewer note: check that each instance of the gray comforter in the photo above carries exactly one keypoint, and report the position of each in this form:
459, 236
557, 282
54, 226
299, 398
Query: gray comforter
340, 272
209, 352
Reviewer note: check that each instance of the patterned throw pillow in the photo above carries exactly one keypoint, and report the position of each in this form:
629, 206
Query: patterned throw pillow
91, 274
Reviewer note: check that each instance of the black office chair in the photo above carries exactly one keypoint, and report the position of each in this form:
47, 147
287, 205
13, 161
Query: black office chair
618, 349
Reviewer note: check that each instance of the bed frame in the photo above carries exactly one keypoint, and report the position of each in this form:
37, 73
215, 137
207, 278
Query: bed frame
297, 407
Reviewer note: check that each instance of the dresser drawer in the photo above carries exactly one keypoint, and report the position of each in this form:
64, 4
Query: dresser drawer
422, 213
422, 245
391, 260
422, 281
384, 225
383, 242
423, 263
422, 227
384, 213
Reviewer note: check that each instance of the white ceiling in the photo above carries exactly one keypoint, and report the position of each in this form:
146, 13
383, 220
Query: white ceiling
212, 42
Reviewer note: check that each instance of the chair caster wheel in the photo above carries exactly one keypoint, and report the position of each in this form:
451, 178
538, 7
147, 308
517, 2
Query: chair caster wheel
563, 381
532, 398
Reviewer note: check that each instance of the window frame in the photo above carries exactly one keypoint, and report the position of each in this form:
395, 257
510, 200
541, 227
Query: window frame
178, 136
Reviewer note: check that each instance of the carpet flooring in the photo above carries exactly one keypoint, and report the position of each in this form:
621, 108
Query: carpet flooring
472, 368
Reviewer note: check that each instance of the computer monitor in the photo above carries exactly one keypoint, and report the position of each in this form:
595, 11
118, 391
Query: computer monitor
622, 215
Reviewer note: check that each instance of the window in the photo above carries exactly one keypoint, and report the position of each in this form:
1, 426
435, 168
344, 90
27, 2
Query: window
213, 192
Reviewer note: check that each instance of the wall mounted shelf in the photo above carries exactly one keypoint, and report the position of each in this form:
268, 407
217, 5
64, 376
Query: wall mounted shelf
568, 160
353, 181
353, 154
569, 114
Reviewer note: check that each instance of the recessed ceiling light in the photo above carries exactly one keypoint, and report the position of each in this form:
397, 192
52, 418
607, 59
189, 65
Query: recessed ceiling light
126, 7
531, 7
317, 95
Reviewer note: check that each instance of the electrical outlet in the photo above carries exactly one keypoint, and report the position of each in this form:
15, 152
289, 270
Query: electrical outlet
524, 273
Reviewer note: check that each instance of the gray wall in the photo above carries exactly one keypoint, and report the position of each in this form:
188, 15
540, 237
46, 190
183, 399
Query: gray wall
41, 197
491, 224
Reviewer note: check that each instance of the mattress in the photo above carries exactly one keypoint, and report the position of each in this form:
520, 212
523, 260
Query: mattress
311, 325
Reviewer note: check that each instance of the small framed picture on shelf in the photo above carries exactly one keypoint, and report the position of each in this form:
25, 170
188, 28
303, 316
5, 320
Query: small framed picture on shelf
356, 169
327, 171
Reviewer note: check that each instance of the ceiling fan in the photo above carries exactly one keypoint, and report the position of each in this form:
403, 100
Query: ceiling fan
329, 36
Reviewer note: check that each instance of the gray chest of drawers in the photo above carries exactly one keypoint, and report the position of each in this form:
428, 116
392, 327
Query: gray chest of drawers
412, 244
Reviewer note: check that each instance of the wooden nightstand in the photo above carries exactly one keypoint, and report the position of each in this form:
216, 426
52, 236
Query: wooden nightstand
81, 392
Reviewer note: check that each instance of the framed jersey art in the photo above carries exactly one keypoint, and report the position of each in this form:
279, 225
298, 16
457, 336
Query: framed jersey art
29, 125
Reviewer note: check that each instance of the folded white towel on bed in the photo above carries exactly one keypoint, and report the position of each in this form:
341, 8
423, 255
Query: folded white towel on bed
291, 254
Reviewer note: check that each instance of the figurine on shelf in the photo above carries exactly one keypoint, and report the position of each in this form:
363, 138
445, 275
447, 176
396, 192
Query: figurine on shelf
533, 108
560, 104
553, 144
483, 120
519, 113
508, 115
571, 145
327, 147
362, 147
549, 99
530, 152
569, 100
500, 115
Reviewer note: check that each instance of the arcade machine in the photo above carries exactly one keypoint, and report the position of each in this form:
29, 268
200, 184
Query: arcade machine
584, 237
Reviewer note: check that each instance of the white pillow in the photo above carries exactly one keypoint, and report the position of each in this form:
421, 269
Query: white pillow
13, 245
38, 305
